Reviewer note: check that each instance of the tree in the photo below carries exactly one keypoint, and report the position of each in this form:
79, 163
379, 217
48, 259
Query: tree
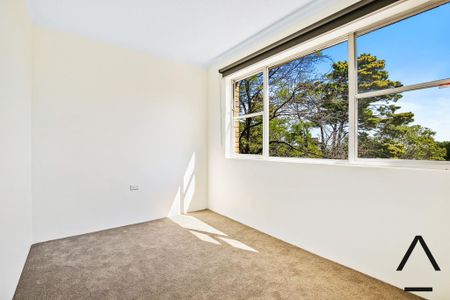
383, 131
290, 129
250, 100
446, 145
308, 113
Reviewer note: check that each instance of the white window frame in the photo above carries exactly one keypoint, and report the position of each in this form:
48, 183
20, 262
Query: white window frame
235, 117
348, 33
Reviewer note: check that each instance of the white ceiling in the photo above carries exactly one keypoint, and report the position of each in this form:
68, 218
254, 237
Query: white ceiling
193, 31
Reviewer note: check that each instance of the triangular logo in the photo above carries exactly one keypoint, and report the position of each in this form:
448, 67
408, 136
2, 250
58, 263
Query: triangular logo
419, 239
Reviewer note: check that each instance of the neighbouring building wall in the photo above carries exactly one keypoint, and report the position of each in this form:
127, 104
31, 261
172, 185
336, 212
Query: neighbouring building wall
15, 142
362, 217
105, 118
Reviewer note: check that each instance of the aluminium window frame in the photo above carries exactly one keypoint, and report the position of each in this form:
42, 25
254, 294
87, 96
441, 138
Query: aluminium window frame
262, 113
265, 112
353, 97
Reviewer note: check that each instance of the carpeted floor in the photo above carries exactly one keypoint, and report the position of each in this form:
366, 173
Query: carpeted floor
198, 256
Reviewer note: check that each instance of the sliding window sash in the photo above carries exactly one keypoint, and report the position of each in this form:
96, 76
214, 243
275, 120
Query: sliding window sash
405, 88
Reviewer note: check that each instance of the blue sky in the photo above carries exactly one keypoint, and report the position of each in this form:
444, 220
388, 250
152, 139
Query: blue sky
415, 50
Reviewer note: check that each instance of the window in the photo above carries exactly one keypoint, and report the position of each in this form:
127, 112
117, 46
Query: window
413, 125
247, 113
407, 64
308, 106
410, 51
380, 93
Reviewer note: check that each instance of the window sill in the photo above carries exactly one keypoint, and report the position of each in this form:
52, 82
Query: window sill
373, 163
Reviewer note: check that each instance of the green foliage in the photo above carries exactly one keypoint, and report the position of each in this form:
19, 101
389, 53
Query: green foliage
292, 140
251, 94
383, 132
250, 135
307, 111
308, 114
446, 146
372, 75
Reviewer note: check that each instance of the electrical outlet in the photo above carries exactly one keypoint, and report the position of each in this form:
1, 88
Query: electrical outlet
134, 187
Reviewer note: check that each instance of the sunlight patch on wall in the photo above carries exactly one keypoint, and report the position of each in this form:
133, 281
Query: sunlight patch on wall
175, 209
188, 185
186, 191
189, 195
189, 173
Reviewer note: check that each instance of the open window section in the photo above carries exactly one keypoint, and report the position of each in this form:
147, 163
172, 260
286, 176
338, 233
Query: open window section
412, 125
249, 135
248, 106
410, 51
308, 105
248, 94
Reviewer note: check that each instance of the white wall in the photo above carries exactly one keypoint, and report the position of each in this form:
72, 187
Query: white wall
15, 142
105, 117
362, 217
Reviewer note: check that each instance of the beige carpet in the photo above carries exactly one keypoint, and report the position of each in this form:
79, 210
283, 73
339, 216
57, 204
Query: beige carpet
199, 256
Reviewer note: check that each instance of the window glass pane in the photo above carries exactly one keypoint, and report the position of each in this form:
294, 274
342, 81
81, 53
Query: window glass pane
308, 99
248, 95
410, 51
410, 125
249, 135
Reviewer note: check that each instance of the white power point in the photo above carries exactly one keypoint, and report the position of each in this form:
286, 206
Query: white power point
134, 187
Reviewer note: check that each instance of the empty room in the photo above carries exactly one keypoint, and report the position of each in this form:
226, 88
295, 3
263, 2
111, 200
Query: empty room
224, 149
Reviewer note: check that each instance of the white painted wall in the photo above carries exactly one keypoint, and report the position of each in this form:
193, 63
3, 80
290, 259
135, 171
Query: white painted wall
105, 117
15, 142
362, 217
